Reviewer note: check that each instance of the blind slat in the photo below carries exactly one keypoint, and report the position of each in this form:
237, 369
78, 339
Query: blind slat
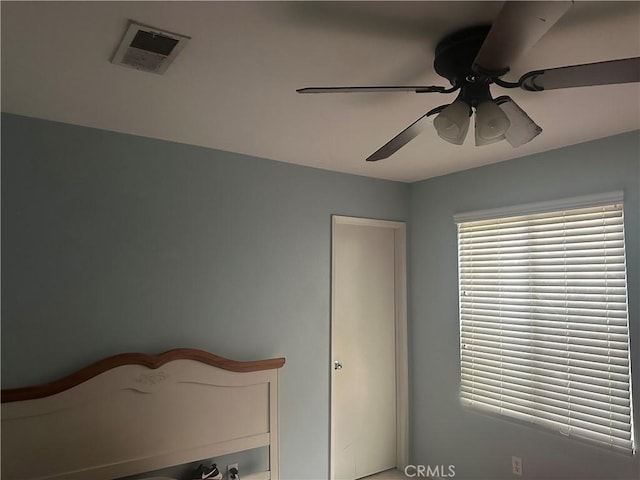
539, 373
549, 355
584, 319
615, 357
537, 411
601, 400
620, 423
542, 377
615, 303
590, 368
597, 404
613, 443
603, 333
549, 340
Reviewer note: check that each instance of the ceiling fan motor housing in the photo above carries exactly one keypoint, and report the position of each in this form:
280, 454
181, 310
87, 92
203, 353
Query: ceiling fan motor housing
455, 54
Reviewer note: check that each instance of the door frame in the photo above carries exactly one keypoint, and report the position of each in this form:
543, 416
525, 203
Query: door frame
402, 368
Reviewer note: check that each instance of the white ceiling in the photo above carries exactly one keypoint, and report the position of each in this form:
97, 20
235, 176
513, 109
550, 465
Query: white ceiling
233, 86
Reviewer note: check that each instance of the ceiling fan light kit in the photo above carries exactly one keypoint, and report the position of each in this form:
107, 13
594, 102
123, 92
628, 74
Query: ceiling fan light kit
475, 58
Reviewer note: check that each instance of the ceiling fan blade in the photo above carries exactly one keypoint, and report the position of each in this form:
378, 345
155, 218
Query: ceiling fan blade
404, 137
517, 28
414, 89
626, 70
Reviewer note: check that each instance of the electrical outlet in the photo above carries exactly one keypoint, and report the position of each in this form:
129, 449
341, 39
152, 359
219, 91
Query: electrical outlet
516, 466
233, 472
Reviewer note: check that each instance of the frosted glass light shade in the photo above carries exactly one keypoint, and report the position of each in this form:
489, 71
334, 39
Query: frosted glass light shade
452, 124
523, 129
491, 123
480, 142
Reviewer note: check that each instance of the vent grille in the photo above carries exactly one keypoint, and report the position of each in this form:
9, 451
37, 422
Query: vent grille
148, 49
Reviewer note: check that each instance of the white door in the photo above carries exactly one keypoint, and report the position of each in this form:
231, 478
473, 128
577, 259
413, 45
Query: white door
364, 394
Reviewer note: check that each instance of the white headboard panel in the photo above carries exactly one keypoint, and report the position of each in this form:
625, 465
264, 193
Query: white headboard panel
134, 413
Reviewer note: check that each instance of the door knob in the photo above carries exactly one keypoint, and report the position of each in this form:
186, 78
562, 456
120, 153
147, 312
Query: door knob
337, 365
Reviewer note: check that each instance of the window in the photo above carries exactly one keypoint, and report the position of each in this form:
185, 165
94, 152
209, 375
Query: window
544, 332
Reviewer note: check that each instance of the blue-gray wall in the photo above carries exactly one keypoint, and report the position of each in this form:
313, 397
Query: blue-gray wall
445, 433
115, 243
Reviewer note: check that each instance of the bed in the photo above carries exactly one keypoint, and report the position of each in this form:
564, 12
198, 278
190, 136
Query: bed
133, 413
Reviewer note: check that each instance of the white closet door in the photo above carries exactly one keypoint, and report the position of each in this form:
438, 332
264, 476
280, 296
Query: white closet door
364, 346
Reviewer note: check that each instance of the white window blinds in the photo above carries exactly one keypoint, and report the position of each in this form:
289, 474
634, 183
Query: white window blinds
543, 321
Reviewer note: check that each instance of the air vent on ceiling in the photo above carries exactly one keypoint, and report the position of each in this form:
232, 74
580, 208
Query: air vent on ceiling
148, 49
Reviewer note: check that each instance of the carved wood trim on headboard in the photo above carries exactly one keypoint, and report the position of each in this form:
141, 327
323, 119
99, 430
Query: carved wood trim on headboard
150, 361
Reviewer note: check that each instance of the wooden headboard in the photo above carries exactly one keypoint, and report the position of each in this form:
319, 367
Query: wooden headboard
134, 413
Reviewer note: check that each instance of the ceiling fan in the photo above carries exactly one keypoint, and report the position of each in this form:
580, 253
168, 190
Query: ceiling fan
474, 58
